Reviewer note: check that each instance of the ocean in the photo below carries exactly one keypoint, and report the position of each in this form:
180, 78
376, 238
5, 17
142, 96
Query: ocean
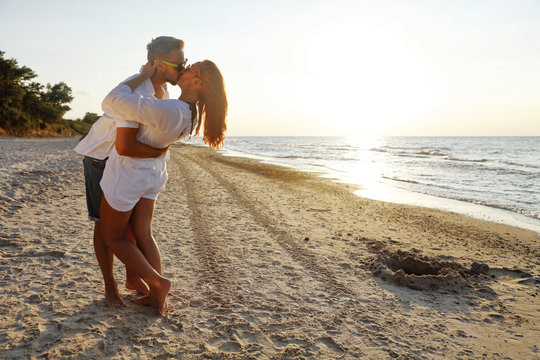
491, 178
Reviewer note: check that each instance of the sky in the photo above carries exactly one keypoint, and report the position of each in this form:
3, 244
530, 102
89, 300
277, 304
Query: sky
306, 67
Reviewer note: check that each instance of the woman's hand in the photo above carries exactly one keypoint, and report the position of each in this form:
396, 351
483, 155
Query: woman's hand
161, 152
149, 69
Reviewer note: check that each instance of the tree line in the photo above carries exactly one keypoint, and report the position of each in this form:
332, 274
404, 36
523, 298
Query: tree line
30, 108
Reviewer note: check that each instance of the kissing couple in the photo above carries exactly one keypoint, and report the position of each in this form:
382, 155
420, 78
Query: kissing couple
125, 160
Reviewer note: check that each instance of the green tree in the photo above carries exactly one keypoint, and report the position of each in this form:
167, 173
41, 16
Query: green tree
26, 104
13, 82
90, 117
9, 71
58, 96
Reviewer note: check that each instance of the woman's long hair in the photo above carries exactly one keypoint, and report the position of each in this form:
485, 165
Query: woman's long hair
212, 105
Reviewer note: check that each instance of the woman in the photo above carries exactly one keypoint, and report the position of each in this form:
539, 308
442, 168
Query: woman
131, 185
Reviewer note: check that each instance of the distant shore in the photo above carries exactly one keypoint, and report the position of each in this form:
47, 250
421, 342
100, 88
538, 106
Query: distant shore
39, 134
266, 262
63, 128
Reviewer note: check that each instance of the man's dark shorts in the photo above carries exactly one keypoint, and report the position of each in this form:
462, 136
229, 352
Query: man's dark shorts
93, 172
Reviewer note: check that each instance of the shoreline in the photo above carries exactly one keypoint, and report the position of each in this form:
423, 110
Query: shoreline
470, 209
376, 190
266, 262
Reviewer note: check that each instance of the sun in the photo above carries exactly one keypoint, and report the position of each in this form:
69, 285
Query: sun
374, 82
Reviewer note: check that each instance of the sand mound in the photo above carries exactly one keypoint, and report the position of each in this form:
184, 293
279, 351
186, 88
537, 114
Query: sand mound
424, 273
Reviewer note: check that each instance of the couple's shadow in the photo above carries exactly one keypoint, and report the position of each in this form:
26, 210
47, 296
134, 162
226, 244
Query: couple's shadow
97, 330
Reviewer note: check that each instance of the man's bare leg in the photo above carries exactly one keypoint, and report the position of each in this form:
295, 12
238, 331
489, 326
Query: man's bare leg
134, 282
114, 224
105, 260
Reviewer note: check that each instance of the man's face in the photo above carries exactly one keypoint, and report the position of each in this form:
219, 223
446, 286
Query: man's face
169, 72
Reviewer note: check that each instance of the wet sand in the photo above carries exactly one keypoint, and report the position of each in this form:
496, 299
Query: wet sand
266, 263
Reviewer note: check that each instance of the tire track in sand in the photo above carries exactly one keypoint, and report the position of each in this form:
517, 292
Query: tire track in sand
269, 302
221, 287
300, 254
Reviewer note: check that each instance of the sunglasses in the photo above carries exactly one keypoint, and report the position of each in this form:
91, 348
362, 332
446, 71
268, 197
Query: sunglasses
178, 67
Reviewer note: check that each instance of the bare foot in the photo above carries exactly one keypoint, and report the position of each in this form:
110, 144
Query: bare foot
157, 297
160, 295
145, 300
136, 283
112, 298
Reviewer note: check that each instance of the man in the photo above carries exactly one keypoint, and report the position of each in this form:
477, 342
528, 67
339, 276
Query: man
98, 144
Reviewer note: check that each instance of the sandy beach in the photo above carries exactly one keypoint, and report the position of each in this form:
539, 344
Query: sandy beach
266, 263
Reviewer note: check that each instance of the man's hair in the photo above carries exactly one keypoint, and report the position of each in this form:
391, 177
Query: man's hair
162, 45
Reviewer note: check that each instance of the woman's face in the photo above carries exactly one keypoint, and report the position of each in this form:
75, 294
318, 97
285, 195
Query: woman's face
191, 77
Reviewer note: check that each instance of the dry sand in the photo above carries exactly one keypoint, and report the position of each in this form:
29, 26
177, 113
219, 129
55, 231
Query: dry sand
266, 263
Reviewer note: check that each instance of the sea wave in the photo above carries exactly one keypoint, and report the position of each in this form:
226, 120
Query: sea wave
514, 209
520, 164
432, 152
400, 180
397, 153
424, 153
466, 160
504, 171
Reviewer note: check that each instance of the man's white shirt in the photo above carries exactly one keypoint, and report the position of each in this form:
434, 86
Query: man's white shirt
100, 140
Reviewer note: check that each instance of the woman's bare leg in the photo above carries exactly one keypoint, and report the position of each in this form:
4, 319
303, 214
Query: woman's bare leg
133, 282
105, 260
141, 224
114, 224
